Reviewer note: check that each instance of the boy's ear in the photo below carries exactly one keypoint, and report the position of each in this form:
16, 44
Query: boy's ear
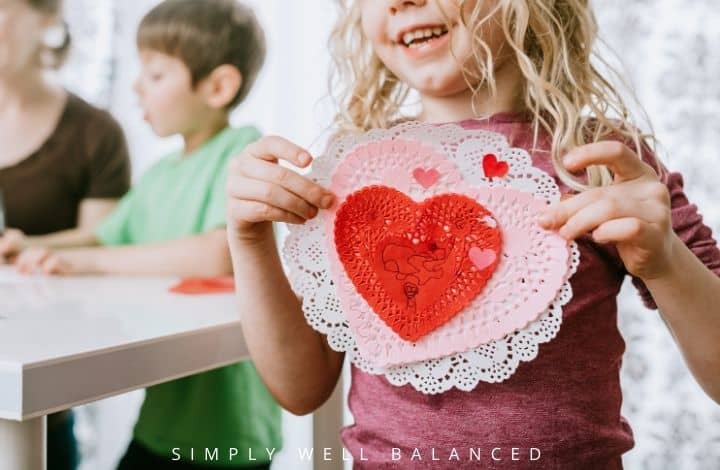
221, 86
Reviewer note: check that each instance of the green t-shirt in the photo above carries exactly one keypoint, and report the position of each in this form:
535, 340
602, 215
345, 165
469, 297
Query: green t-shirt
227, 408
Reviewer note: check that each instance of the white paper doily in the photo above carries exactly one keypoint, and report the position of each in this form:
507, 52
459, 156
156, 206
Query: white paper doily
306, 260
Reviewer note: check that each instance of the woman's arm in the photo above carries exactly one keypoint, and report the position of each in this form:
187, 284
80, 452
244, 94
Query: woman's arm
90, 213
295, 361
199, 255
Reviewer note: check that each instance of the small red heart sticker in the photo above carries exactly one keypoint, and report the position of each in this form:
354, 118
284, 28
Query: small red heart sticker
493, 167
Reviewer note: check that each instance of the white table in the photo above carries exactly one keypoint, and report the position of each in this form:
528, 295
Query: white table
70, 341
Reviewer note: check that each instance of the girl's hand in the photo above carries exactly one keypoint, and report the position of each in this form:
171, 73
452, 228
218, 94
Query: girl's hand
633, 212
42, 260
261, 192
12, 242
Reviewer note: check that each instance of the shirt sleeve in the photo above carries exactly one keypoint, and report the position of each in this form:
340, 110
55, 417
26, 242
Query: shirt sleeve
687, 222
114, 230
109, 165
215, 214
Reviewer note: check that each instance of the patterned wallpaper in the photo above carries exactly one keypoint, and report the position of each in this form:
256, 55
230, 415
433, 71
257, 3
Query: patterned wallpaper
669, 48
89, 70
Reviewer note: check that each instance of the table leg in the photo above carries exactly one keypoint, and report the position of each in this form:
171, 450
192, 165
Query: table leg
22, 444
327, 422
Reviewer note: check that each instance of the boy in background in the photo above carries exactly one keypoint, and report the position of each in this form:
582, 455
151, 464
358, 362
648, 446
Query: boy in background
199, 60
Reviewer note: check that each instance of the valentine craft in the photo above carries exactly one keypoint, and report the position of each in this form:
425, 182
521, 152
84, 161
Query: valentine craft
430, 268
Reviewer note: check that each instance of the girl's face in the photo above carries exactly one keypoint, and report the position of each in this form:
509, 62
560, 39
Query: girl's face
413, 39
21, 33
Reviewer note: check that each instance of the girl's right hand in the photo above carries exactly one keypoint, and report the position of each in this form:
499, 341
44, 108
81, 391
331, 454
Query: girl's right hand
261, 192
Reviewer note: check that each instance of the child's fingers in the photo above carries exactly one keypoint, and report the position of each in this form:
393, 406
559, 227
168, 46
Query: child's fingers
274, 148
256, 212
558, 213
50, 265
303, 187
622, 161
593, 215
29, 260
619, 230
274, 195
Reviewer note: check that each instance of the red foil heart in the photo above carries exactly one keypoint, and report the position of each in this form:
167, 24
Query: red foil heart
494, 167
410, 261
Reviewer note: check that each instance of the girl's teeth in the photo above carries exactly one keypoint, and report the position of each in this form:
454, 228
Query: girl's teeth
409, 37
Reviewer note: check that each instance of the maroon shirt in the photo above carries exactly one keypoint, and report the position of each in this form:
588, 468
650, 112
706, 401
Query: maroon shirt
565, 403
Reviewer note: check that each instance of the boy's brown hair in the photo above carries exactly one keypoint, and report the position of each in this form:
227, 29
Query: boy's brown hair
206, 34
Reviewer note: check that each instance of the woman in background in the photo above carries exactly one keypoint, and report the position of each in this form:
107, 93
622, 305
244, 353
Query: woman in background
63, 162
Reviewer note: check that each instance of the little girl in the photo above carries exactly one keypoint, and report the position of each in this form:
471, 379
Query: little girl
520, 68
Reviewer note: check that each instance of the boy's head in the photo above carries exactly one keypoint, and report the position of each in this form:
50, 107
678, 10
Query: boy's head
198, 57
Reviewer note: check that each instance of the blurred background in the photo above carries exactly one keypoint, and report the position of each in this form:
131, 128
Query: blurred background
666, 47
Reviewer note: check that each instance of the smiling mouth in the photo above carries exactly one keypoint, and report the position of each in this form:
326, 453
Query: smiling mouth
422, 36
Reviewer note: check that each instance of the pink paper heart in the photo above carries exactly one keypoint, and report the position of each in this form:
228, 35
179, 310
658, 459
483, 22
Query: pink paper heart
397, 179
481, 258
426, 178
506, 304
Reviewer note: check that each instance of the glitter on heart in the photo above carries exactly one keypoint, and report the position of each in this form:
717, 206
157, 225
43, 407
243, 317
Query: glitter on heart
417, 264
493, 167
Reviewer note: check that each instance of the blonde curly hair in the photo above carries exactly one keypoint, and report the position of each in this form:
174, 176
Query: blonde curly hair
553, 43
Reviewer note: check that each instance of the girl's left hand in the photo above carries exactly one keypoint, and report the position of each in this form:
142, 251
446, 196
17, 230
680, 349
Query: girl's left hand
42, 260
633, 212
